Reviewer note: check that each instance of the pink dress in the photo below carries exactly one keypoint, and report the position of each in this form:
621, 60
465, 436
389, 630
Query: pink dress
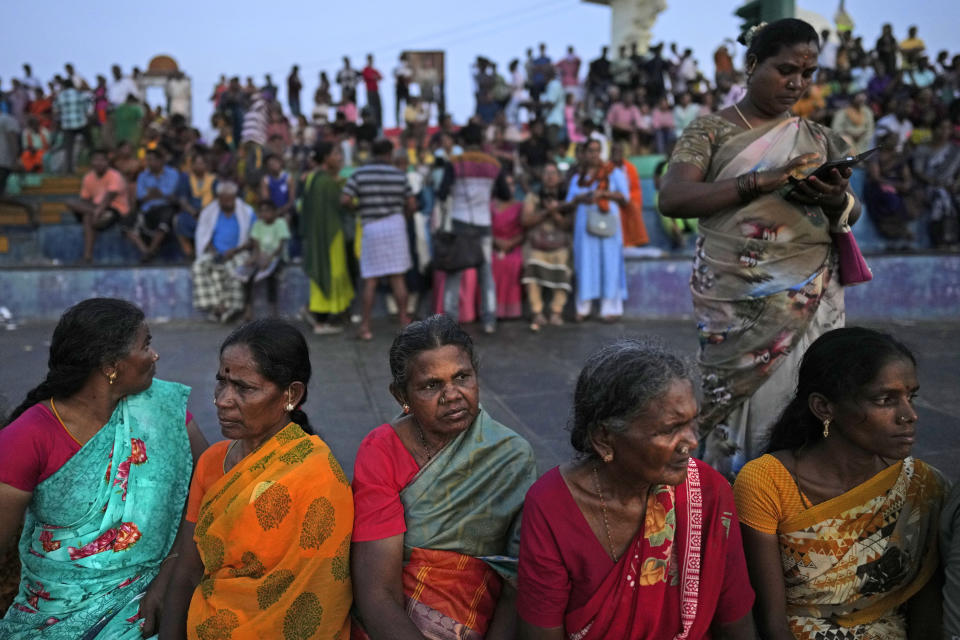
507, 268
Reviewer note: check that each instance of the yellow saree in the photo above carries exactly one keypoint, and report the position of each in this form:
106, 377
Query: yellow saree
849, 563
274, 537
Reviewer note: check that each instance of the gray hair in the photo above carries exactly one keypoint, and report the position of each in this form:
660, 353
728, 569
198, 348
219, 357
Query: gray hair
227, 188
619, 382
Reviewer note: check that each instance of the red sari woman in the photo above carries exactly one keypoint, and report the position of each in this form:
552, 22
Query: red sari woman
634, 539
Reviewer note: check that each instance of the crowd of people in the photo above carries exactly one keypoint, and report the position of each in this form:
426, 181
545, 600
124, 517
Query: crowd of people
133, 525
897, 96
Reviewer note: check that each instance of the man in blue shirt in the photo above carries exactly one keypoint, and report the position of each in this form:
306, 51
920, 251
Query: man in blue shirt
157, 201
222, 242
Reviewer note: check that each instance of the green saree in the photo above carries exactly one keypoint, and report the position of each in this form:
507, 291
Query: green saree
96, 531
462, 511
325, 248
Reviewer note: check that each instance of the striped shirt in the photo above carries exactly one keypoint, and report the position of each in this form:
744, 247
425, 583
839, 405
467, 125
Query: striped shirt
380, 189
475, 173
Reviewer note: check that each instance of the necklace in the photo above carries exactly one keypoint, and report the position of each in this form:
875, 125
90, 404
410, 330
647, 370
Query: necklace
226, 456
603, 509
423, 442
60, 420
736, 108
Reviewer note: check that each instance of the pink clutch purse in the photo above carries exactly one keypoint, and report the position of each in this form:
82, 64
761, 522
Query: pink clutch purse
853, 266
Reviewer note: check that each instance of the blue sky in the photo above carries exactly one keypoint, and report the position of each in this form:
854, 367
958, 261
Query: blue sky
243, 37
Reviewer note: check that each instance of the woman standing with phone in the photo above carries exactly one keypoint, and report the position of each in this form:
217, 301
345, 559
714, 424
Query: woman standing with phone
764, 281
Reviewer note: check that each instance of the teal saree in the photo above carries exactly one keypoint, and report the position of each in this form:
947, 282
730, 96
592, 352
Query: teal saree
96, 531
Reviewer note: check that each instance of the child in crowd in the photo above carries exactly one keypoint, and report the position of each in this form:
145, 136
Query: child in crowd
268, 242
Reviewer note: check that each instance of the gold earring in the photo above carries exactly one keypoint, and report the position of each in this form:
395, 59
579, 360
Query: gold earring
112, 377
406, 408
289, 406
826, 428
608, 458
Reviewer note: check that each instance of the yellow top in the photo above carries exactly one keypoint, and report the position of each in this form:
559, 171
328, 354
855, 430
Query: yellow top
767, 495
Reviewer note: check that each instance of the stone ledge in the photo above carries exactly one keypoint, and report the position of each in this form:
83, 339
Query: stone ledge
905, 287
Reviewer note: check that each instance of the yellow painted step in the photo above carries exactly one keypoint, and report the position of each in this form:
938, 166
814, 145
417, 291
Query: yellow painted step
50, 213
55, 186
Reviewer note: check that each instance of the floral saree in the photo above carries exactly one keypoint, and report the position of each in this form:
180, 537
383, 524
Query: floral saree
96, 531
850, 562
274, 537
669, 581
764, 273
462, 511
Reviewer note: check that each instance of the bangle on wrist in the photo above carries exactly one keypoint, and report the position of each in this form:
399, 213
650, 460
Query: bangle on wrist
748, 186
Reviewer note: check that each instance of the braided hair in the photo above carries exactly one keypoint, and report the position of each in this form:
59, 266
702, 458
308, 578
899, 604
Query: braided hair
281, 354
89, 335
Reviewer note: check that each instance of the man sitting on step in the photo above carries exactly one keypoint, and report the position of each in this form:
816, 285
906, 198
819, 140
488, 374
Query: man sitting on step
102, 203
222, 245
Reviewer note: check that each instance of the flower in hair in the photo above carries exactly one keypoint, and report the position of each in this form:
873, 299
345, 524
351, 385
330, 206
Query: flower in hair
752, 33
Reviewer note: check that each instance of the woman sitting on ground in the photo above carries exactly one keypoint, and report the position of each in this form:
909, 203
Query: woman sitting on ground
438, 497
95, 463
839, 522
633, 539
270, 509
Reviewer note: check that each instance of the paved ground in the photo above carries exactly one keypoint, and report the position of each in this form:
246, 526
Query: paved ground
526, 380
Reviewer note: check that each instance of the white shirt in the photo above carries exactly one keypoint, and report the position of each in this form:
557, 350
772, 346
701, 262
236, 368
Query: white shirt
118, 91
828, 55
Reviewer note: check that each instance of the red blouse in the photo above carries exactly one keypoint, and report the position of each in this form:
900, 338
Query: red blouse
382, 469
34, 446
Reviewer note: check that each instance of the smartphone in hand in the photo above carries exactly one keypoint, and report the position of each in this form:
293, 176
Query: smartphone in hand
823, 171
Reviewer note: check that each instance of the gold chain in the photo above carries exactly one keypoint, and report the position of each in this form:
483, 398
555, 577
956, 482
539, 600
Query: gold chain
62, 423
603, 509
736, 107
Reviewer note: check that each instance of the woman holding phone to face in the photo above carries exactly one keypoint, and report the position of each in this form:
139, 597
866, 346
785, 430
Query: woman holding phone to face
764, 281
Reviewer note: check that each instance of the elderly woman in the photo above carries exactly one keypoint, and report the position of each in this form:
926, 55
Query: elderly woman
840, 523
270, 510
633, 539
438, 496
221, 241
765, 281
95, 463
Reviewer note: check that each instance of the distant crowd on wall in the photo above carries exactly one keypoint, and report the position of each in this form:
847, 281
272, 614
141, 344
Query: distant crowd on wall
154, 173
